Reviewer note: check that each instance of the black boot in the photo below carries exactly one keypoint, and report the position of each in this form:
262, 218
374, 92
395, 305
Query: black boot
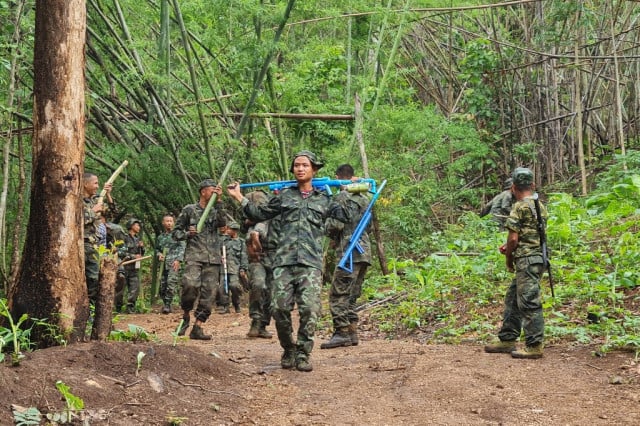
198, 334
254, 330
339, 339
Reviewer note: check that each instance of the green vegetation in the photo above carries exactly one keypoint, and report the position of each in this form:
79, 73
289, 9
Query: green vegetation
133, 333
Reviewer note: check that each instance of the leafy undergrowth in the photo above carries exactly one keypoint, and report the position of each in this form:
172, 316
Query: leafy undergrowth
455, 294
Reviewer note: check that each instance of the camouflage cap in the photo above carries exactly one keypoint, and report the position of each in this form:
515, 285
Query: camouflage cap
522, 176
507, 184
233, 225
208, 182
131, 221
311, 156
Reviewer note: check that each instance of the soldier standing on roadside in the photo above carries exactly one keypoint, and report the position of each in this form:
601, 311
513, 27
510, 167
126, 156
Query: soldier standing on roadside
523, 252
93, 209
237, 265
171, 253
133, 248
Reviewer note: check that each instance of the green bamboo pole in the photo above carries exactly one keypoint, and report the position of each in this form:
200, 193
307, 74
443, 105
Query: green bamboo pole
194, 83
263, 71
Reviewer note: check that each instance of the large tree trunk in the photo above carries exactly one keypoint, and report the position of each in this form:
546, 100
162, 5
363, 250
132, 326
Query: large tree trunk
51, 281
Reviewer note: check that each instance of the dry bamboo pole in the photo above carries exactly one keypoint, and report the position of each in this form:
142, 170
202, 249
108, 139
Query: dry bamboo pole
577, 107
618, 102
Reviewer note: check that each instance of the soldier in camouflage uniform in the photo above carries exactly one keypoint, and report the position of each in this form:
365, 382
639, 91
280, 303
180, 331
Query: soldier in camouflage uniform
523, 251
346, 287
237, 266
92, 211
171, 253
202, 259
500, 206
262, 242
133, 248
297, 274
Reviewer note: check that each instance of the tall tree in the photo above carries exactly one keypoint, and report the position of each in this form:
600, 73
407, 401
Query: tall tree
51, 281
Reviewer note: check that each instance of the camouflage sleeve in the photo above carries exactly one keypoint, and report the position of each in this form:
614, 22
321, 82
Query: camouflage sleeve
244, 259
180, 230
262, 212
176, 251
514, 221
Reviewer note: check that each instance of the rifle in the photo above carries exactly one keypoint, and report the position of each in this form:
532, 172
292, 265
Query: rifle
322, 184
354, 241
543, 242
111, 179
224, 269
213, 198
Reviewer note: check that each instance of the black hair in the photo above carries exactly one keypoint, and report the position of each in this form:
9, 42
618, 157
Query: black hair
345, 171
88, 175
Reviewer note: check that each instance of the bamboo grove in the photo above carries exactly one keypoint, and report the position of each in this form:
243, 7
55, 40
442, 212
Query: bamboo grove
178, 87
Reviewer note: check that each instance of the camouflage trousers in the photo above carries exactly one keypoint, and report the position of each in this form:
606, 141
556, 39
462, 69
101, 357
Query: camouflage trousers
91, 271
523, 305
132, 283
299, 285
234, 289
346, 288
168, 284
200, 281
260, 276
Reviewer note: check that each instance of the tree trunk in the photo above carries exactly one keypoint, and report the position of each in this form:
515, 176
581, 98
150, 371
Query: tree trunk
104, 305
51, 281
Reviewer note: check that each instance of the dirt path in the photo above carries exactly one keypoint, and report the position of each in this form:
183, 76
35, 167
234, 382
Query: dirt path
234, 380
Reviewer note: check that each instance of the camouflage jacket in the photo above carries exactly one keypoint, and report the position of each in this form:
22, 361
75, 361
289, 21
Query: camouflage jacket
91, 220
205, 246
501, 206
302, 224
129, 249
523, 221
174, 249
237, 260
341, 233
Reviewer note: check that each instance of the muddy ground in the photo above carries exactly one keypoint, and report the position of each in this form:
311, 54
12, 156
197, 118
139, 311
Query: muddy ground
235, 380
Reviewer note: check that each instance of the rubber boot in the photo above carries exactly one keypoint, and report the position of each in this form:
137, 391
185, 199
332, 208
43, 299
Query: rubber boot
198, 334
353, 334
502, 347
339, 339
166, 309
528, 352
254, 330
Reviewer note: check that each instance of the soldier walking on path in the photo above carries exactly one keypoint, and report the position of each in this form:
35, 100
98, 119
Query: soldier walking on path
170, 252
262, 242
523, 252
346, 287
297, 274
237, 266
202, 259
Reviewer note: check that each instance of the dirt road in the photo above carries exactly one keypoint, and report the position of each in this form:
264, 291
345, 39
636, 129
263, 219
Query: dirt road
234, 380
